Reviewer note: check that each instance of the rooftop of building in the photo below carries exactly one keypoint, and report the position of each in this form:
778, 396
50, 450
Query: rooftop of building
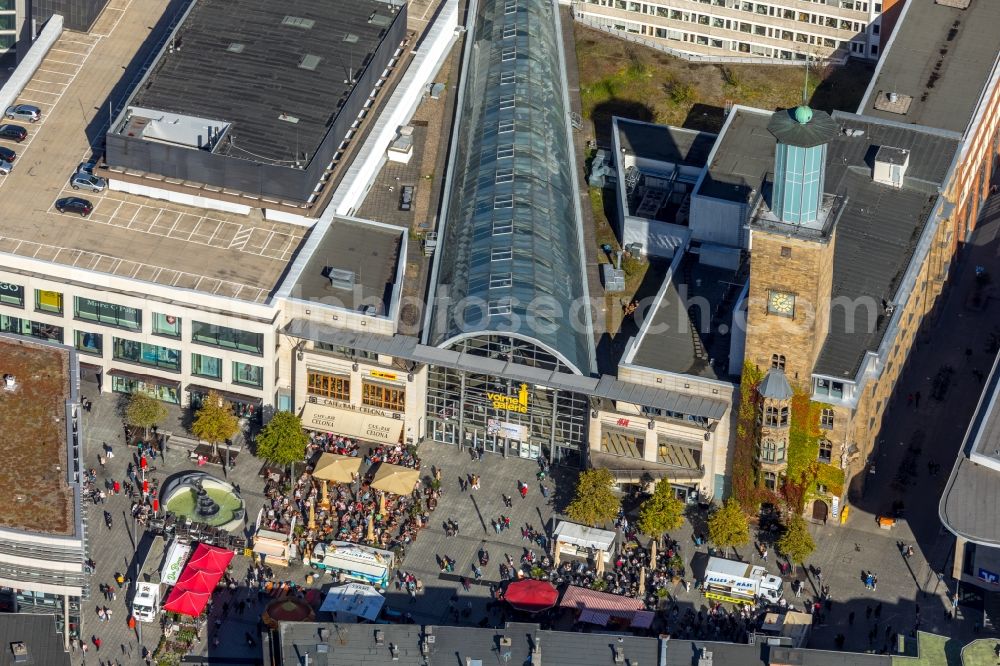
34, 635
276, 72
664, 143
34, 487
969, 501
743, 157
360, 644
511, 256
873, 220
688, 332
353, 265
938, 61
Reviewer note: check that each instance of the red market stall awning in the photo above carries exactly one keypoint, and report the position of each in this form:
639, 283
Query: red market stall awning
531, 595
597, 604
210, 558
196, 580
186, 602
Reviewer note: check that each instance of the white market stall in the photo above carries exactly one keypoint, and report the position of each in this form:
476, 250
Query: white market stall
584, 542
357, 599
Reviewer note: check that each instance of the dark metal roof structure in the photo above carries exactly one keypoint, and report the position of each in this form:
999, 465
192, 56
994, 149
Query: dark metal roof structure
939, 57
775, 385
247, 62
665, 143
787, 127
38, 634
512, 233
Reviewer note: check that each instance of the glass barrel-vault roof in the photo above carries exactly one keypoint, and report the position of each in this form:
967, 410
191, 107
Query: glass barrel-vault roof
510, 257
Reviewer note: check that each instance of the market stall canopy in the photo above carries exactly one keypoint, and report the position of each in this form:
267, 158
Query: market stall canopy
186, 602
395, 479
357, 425
596, 604
287, 609
531, 596
354, 599
210, 558
196, 580
337, 468
586, 537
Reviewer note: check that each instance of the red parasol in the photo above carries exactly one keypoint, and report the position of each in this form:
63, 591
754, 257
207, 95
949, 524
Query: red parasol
197, 580
186, 602
531, 596
210, 558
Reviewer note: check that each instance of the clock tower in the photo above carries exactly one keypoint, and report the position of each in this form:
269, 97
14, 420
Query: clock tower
792, 248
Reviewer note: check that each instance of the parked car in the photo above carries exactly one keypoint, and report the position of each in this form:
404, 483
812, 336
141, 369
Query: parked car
87, 181
406, 198
5, 167
7, 155
31, 114
74, 205
13, 132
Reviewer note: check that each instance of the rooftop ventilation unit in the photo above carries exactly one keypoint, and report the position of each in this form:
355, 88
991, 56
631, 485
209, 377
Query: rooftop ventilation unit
310, 62
235, 47
339, 278
351, 38
298, 22
20, 652
704, 657
890, 166
9, 383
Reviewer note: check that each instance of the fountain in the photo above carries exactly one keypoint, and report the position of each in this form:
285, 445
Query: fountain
205, 506
199, 497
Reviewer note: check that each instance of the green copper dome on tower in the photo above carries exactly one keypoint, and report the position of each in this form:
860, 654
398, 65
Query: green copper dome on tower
803, 114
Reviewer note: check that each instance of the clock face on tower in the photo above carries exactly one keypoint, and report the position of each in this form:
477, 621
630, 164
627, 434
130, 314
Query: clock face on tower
781, 303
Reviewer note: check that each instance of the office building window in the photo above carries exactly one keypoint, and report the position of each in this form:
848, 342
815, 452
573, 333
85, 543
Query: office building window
87, 309
329, 386
206, 366
778, 361
12, 294
48, 301
248, 375
32, 329
826, 418
141, 353
166, 325
89, 343
770, 480
825, 451
383, 396
775, 416
229, 338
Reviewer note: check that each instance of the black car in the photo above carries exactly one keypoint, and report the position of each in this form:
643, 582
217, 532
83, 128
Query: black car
13, 132
7, 155
74, 205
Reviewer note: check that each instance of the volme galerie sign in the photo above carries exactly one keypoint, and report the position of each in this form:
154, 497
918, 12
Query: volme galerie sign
510, 403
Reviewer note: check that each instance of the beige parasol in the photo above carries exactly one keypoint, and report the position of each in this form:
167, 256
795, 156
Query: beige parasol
642, 581
381, 504
395, 479
371, 528
336, 468
652, 552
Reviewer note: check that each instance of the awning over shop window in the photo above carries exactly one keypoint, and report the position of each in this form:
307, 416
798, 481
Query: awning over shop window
369, 427
148, 379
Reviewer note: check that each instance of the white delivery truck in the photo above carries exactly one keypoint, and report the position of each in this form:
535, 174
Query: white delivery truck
740, 582
160, 569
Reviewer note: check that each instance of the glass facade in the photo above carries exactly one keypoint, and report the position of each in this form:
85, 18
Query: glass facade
48, 301
336, 387
511, 248
206, 366
89, 343
248, 375
228, 338
798, 182
110, 314
142, 353
11, 294
502, 415
163, 392
166, 325
32, 329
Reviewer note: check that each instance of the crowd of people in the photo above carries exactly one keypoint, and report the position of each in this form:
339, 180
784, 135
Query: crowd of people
357, 512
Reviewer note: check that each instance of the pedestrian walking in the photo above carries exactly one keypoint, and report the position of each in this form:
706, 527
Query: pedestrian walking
120, 579
524, 490
506, 522
475, 482
496, 525
101, 460
508, 501
97, 643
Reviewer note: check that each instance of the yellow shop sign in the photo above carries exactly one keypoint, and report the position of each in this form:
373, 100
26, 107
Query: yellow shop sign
382, 374
518, 403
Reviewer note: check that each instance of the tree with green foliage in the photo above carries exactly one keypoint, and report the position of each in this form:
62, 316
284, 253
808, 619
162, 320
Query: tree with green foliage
796, 543
282, 441
662, 512
728, 526
144, 411
595, 503
214, 421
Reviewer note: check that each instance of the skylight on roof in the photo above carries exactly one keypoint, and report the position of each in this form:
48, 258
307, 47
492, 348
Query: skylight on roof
298, 22
236, 47
310, 62
351, 38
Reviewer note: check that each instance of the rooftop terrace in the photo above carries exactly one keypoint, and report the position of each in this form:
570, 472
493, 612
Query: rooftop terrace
34, 492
